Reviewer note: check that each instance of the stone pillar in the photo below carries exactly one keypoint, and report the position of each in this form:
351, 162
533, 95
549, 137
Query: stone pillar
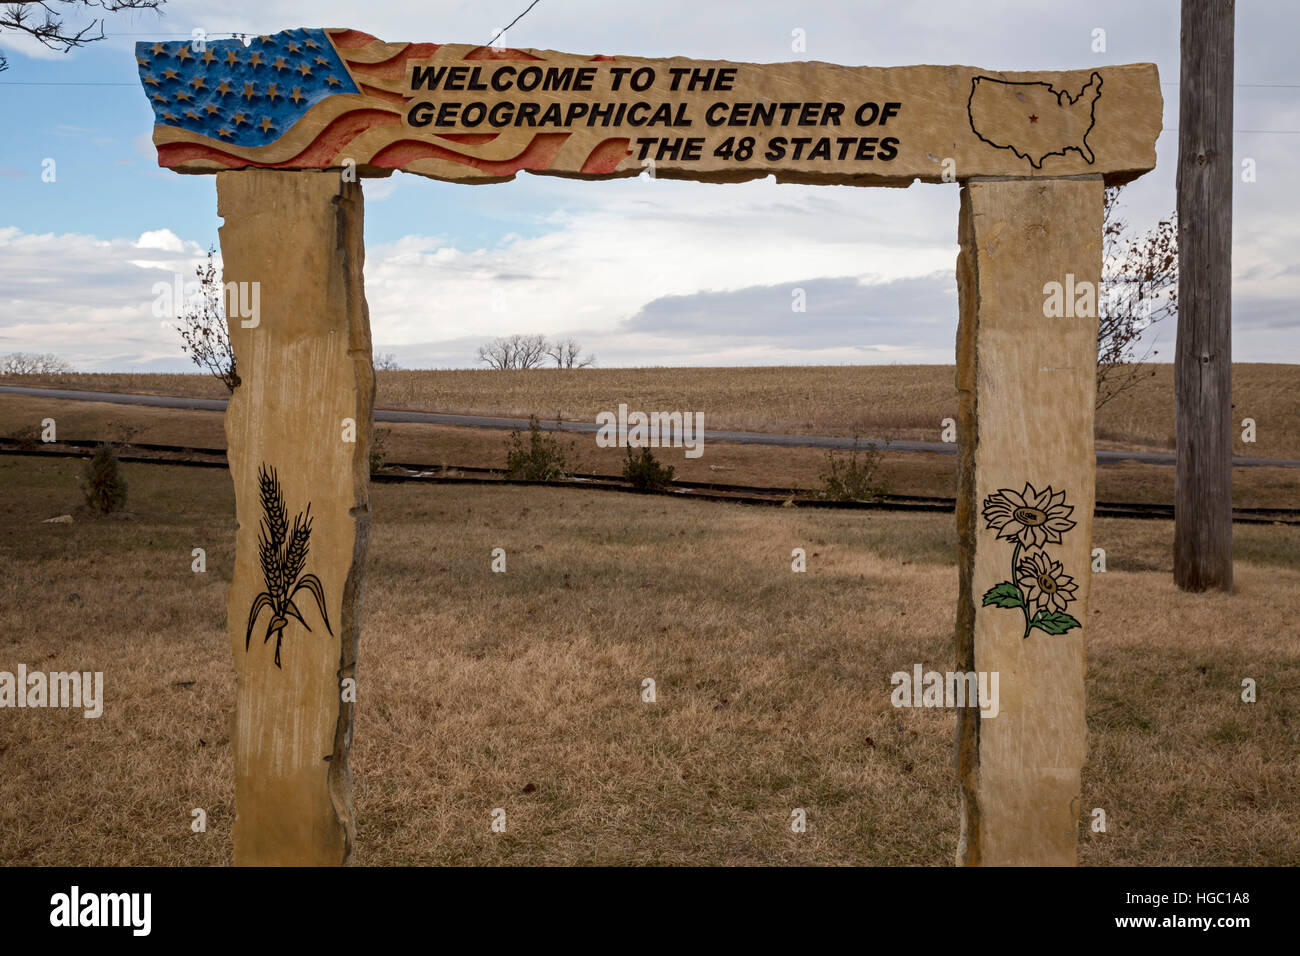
1026, 375
298, 430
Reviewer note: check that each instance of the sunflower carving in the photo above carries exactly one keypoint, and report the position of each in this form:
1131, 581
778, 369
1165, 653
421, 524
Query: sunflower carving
1039, 586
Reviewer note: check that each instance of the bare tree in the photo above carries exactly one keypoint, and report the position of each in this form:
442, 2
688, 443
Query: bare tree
44, 21
1139, 288
386, 362
205, 337
514, 352
568, 354
23, 363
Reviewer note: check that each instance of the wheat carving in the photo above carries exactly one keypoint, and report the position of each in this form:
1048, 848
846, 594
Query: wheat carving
283, 554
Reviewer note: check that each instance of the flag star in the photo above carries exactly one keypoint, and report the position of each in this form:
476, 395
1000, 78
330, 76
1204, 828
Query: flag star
158, 97
266, 125
167, 115
304, 69
170, 74
142, 61
152, 81
158, 50
208, 58
294, 48
223, 88
310, 44
198, 82
266, 40
332, 80
279, 63
296, 95
181, 95
238, 119
232, 58
184, 54
192, 115
255, 60
212, 108
321, 61
224, 132
250, 91
273, 91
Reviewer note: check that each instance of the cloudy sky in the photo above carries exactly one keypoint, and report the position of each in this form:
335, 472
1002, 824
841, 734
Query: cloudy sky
641, 272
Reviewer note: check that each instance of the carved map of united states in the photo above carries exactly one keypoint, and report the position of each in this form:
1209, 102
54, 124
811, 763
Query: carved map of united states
1034, 120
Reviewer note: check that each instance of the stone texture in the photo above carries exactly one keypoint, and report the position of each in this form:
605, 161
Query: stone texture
1027, 389
988, 123
304, 368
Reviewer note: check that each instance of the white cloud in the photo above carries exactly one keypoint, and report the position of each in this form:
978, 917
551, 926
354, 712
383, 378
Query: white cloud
163, 239
606, 251
598, 265
90, 300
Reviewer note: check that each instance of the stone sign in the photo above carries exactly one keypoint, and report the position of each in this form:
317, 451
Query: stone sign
291, 121
316, 99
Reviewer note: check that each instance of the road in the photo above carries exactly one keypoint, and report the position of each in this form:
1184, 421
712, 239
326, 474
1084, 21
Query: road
1104, 456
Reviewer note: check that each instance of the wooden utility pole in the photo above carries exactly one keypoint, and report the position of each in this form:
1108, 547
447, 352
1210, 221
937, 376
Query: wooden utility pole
1203, 357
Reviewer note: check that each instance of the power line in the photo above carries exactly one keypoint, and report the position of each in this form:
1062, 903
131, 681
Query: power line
493, 41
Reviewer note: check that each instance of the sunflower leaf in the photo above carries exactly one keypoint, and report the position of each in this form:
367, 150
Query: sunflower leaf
1054, 622
1005, 594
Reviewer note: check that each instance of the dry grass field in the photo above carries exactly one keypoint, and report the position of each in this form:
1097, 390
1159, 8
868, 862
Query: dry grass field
771, 466
899, 401
481, 690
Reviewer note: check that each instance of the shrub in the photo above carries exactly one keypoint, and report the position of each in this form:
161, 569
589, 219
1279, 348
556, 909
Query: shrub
645, 473
379, 448
104, 486
542, 459
856, 479
28, 437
